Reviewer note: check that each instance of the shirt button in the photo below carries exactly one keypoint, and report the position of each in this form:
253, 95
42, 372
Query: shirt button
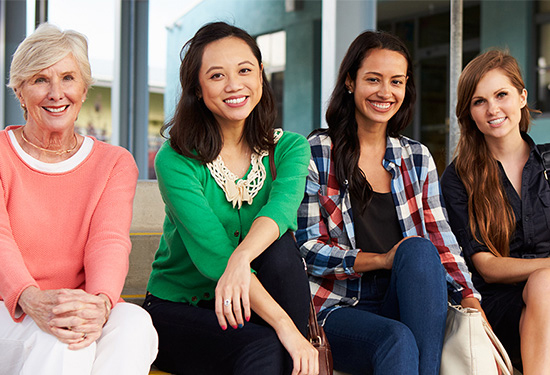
206, 295
194, 298
236, 234
526, 218
354, 298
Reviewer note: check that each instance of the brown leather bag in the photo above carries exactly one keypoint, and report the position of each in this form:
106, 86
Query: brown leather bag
316, 335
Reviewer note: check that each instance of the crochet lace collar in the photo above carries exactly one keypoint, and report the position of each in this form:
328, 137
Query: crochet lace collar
238, 190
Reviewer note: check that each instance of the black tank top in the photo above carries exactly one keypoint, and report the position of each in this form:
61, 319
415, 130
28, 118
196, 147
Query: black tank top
377, 229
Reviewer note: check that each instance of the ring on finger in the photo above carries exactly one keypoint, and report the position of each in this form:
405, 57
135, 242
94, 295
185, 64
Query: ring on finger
227, 302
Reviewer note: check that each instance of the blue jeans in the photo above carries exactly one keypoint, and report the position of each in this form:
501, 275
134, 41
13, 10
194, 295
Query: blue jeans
399, 328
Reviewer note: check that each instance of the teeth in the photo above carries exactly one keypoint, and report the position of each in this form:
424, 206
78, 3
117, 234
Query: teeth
235, 101
381, 105
56, 110
497, 121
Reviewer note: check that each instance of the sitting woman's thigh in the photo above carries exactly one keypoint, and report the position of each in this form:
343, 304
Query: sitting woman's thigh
192, 342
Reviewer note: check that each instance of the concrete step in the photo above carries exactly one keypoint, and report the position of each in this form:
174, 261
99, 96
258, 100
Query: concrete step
144, 246
145, 232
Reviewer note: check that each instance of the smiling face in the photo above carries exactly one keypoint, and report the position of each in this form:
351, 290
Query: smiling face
54, 96
496, 105
230, 79
379, 87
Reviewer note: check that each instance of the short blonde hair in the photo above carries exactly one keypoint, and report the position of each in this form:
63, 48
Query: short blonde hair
46, 46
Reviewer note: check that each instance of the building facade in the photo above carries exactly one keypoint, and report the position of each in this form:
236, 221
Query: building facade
522, 26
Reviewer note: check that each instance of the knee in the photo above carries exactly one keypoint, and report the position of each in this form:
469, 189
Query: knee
131, 322
283, 254
266, 353
418, 252
537, 288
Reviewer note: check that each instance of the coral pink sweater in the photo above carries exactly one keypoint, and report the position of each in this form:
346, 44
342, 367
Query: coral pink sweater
65, 230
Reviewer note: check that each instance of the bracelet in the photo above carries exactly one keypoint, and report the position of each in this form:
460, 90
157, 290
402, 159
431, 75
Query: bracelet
107, 310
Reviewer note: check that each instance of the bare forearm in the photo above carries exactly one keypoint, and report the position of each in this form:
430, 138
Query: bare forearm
365, 262
507, 270
261, 235
304, 355
267, 308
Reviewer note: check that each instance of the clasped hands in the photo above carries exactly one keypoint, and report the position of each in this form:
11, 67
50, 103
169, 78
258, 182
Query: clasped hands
74, 316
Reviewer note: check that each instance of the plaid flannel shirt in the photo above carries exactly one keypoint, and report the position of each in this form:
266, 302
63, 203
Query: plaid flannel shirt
326, 233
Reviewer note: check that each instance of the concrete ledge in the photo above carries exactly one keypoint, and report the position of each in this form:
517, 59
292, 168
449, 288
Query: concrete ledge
145, 232
148, 214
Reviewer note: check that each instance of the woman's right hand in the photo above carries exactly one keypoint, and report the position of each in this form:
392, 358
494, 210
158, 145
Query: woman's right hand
234, 287
38, 305
304, 356
388, 259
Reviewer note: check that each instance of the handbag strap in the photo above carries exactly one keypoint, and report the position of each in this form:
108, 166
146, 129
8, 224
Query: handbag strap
501, 357
544, 151
314, 332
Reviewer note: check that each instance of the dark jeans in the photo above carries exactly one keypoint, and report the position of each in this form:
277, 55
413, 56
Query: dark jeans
192, 342
397, 328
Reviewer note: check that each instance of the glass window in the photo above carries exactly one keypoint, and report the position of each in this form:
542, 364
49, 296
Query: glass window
95, 115
82, 15
273, 47
434, 30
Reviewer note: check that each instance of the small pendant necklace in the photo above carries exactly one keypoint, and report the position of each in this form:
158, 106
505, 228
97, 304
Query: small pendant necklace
57, 152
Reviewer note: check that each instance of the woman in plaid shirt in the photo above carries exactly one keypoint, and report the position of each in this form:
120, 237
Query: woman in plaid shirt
372, 226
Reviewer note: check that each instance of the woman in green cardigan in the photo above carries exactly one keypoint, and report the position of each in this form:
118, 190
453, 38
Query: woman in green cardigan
228, 293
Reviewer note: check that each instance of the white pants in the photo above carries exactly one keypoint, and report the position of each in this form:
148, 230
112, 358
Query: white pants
127, 346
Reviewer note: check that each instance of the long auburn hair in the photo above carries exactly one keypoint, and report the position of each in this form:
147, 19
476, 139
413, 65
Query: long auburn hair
489, 212
340, 116
194, 131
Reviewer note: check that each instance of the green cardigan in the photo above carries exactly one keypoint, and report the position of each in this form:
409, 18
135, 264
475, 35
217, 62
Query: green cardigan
202, 229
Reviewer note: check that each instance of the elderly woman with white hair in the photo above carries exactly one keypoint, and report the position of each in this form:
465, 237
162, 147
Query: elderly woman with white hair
65, 213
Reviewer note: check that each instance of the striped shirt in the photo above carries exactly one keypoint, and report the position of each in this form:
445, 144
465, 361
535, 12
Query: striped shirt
326, 234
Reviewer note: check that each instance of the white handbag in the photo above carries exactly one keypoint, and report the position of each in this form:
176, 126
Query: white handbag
470, 346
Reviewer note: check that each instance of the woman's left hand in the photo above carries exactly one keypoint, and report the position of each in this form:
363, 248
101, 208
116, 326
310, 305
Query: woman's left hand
82, 313
305, 357
233, 292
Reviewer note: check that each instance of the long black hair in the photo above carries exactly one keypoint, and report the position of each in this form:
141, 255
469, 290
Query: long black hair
340, 116
194, 132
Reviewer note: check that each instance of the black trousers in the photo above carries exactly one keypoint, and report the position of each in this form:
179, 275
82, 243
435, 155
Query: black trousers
192, 342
